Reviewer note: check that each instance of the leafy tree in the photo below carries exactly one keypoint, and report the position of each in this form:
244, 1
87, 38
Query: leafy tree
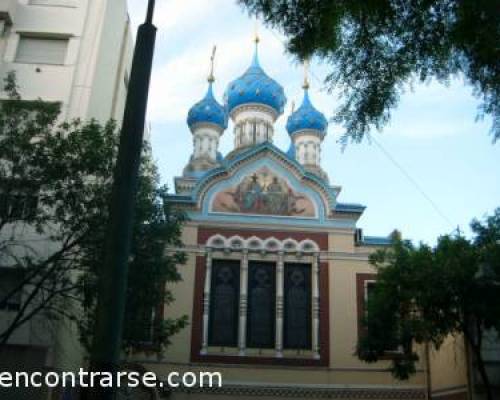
424, 294
48, 204
151, 267
375, 48
55, 185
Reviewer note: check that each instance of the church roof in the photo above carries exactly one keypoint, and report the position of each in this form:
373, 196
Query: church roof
228, 164
306, 117
255, 87
207, 110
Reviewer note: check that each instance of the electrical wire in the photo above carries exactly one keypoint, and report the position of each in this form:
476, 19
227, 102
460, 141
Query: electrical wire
391, 158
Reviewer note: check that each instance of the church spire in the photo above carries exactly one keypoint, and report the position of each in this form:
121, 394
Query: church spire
256, 39
211, 77
305, 85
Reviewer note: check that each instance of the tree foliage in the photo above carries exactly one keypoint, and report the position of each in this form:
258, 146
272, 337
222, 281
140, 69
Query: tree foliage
376, 48
424, 294
55, 187
48, 203
156, 226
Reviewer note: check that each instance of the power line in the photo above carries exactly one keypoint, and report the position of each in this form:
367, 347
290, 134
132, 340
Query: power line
392, 159
411, 180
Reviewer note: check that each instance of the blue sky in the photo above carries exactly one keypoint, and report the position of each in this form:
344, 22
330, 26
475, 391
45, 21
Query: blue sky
433, 134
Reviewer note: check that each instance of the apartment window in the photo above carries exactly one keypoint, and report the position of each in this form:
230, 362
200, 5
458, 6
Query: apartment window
41, 50
224, 300
10, 279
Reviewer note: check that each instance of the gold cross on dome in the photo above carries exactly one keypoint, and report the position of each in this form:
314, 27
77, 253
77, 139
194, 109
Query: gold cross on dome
212, 59
256, 31
305, 85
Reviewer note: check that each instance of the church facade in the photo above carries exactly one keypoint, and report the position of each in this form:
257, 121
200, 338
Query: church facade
278, 275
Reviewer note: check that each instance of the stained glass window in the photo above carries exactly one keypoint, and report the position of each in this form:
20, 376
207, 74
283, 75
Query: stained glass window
297, 302
261, 304
224, 302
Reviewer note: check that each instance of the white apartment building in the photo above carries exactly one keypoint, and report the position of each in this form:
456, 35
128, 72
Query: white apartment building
78, 53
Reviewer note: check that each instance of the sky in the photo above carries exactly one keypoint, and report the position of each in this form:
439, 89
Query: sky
432, 169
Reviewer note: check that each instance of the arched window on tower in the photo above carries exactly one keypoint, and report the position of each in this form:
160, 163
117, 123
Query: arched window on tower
254, 131
210, 147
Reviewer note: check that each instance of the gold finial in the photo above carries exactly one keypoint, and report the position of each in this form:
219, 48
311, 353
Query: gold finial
305, 85
256, 32
212, 59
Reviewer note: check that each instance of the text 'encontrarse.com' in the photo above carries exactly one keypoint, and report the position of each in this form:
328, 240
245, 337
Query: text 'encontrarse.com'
129, 379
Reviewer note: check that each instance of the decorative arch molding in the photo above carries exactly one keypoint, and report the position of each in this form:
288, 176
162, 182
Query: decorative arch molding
254, 243
326, 193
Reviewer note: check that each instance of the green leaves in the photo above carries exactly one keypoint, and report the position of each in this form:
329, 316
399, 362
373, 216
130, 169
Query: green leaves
68, 167
424, 294
156, 227
375, 48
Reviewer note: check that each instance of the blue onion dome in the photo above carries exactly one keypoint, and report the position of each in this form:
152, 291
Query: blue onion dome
256, 87
306, 117
208, 111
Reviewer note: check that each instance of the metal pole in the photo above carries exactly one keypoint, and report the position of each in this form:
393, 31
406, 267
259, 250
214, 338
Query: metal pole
105, 355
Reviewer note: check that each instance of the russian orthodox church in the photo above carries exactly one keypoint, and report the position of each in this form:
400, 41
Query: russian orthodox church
277, 276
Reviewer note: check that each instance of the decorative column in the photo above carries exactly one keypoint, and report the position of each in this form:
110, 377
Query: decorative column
206, 300
279, 304
315, 306
242, 327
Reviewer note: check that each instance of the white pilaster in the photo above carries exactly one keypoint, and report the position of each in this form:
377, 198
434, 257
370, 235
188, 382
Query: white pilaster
279, 304
242, 327
315, 307
206, 301
253, 125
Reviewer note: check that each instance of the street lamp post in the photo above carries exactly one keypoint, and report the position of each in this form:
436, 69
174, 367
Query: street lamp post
105, 354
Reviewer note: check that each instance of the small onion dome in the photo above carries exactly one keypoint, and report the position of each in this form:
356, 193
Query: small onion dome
207, 111
306, 117
256, 87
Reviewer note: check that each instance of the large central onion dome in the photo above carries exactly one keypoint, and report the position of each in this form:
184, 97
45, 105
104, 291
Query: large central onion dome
306, 117
255, 87
207, 111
